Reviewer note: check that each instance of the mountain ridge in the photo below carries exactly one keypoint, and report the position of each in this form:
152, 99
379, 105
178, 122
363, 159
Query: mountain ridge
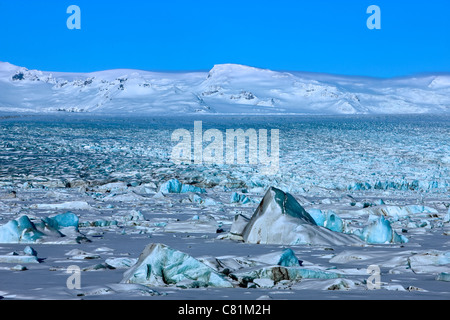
225, 89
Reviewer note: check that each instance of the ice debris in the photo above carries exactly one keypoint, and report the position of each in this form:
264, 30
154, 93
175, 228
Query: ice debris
64, 220
280, 219
160, 265
175, 186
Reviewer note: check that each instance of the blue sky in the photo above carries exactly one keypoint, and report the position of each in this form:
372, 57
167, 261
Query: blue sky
327, 36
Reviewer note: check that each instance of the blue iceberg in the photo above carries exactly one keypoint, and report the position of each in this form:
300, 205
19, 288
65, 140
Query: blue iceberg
329, 219
239, 198
175, 186
160, 265
21, 230
288, 259
63, 220
380, 231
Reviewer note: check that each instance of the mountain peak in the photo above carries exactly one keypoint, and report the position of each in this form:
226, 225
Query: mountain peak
237, 70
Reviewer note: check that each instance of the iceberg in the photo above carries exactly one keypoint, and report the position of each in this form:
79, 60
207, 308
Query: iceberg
443, 276
64, 220
73, 205
121, 263
280, 219
49, 229
29, 255
288, 259
399, 212
160, 265
329, 219
380, 231
175, 186
239, 198
433, 257
21, 230
447, 216
239, 223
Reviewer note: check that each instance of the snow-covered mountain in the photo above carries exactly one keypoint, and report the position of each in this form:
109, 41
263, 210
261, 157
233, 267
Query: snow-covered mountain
226, 89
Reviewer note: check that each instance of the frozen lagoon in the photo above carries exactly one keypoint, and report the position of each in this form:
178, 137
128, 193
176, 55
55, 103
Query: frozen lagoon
355, 166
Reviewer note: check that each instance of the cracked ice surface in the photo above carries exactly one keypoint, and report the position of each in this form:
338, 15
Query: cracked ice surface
347, 172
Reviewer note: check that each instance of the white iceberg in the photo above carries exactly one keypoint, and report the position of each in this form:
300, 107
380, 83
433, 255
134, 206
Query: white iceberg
447, 216
280, 219
71, 205
399, 212
433, 261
